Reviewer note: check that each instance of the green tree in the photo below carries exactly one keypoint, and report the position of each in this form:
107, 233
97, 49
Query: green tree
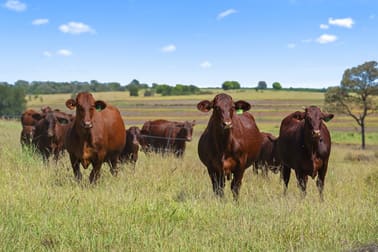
355, 96
227, 85
12, 100
276, 86
262, 85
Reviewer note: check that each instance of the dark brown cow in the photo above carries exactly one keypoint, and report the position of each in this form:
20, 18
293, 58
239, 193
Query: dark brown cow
268, 157
230, 143
130, 151
164, 136
50, 131
304, 144
97, 135
28, 123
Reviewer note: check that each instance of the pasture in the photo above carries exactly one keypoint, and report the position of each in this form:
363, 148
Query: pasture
167, 204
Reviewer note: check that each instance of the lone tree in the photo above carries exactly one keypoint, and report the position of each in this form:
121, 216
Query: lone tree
355, 96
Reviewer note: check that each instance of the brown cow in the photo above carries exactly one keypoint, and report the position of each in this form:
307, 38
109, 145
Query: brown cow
268, 157
28, 122
50, 131
164, 136
230, 143
97, 135
130, 151
304, 144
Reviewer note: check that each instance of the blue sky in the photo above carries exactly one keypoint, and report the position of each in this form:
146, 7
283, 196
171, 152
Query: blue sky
299, 43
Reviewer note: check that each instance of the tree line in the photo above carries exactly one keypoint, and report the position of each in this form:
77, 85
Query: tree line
355, 97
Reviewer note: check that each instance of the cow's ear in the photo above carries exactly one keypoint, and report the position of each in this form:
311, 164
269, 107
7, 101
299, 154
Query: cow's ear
242, 105
327, 117
299, 115
37, 116
62, 120
71, 104
204, 106
100, 105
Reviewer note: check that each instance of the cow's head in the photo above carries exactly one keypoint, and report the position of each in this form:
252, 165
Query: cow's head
186, 130
86, 106
133, 135
313, 120
224, 109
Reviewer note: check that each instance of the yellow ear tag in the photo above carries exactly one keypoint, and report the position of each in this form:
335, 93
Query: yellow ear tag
239, 111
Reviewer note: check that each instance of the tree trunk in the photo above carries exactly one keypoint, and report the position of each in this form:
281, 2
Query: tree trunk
363, 134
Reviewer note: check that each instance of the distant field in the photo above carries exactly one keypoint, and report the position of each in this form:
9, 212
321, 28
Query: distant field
268, 108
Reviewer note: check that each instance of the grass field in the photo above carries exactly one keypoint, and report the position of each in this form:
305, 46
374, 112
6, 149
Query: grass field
167, 204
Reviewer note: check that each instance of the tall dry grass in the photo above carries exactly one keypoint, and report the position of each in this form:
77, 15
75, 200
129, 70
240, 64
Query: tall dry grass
166, 204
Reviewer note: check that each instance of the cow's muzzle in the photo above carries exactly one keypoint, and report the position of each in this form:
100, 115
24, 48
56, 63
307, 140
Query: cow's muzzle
227, 125
87, 124
316, 133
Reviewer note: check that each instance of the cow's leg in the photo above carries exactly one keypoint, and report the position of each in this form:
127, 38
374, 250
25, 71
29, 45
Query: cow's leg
264, 169
255, 167
320, 180
96, 172
76, 167
285, 174
236, 182
113, 163
218, 181
302, 182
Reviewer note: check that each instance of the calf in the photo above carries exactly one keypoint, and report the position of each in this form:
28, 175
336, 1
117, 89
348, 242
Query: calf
130, 151
268, 157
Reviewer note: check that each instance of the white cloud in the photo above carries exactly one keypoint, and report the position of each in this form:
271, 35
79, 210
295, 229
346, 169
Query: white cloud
326, 38
226, 13
40, 21
291, 45
169, 48
324, 26
206, 64
76, 28
15, 5
64, 52
47, 54
343, 22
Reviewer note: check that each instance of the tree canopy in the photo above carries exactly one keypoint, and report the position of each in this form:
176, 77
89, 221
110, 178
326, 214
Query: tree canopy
355, 96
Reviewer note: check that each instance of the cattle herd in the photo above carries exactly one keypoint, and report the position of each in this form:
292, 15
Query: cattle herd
230, 143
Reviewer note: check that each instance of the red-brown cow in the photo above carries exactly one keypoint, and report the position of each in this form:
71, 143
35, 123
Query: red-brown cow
28, 123
164, 136
50, 131
97, 135
230, 143
268, 157
131, 149
304, 144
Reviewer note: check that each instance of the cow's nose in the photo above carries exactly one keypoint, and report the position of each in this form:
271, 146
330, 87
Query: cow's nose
189, 139
87, 124
50, 133
227, 124
316, 133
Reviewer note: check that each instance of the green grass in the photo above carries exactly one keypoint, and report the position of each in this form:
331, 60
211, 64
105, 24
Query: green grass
168, 205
